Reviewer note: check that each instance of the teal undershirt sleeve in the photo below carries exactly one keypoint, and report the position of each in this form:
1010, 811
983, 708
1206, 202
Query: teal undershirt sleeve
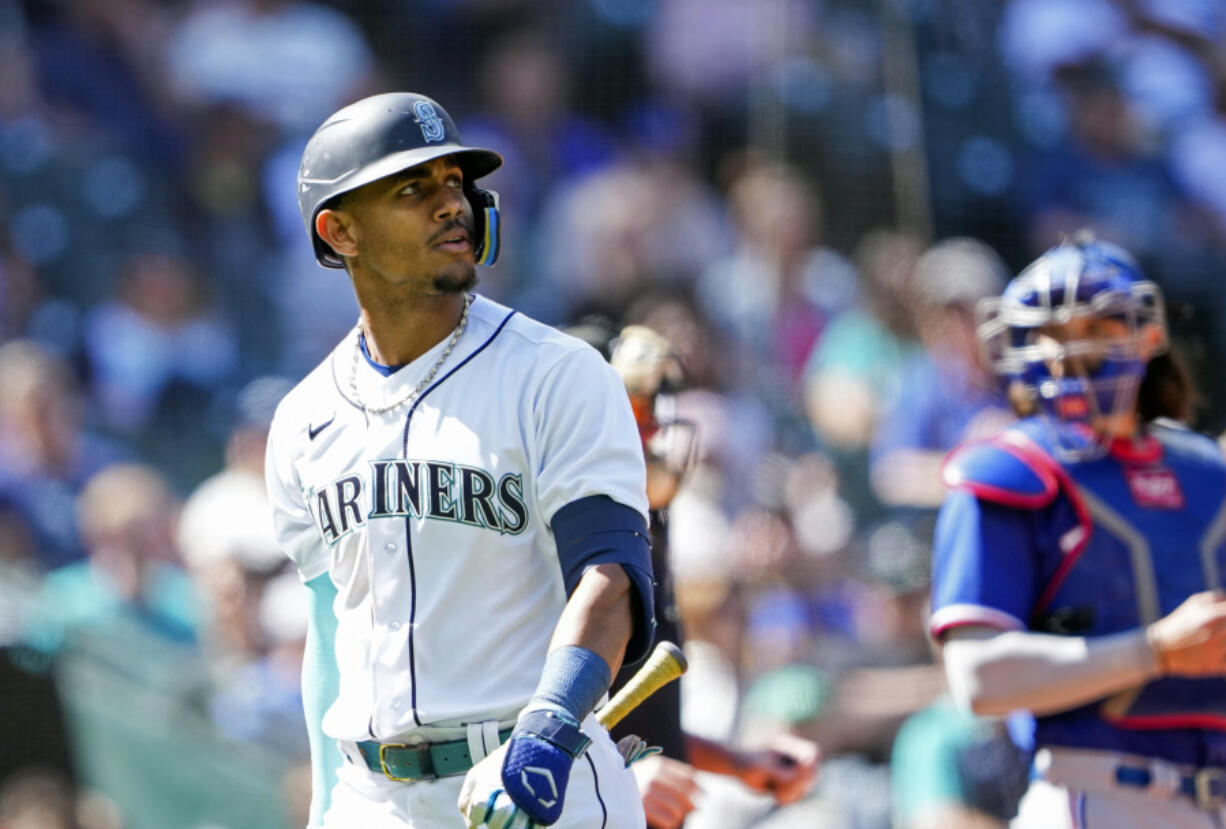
320, 686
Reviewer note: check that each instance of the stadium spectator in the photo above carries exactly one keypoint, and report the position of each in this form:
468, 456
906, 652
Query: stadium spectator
947, 394
261, 701
286, 62
101, 59
855, 368
227, 540
527, 110
627, 229
158, 331
781, 286
20, 289
46, 453
1105, 175
132, 575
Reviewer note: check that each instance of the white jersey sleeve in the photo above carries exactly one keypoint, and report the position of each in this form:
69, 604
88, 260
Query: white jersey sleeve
293, 523
589, 443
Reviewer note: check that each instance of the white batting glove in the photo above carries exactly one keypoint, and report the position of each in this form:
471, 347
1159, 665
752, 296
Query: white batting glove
484, 802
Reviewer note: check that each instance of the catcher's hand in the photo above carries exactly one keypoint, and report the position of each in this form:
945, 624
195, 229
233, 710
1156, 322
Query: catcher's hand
1191, 639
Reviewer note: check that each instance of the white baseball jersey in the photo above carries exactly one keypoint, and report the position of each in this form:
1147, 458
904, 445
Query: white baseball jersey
433, 520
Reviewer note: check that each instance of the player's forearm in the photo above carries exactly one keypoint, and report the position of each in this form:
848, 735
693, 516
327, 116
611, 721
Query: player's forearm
708, 755
716, 758
995, 673
599, 615
585, 652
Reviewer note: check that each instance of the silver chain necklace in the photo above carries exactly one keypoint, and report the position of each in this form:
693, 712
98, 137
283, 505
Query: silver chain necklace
425, 381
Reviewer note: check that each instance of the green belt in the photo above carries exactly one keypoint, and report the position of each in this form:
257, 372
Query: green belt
424, 761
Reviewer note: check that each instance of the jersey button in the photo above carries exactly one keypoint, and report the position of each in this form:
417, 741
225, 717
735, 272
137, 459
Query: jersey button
390, 547
395, 704
395, 626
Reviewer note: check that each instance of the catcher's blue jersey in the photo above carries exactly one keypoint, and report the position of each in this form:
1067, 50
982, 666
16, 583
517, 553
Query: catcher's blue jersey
1028, 542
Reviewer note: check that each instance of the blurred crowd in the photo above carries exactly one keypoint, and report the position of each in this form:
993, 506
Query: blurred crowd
806, 197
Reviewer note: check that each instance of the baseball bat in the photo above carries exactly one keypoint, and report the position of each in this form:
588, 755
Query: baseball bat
665, 664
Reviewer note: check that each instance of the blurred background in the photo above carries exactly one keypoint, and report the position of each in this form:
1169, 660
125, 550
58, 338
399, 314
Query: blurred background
805, 196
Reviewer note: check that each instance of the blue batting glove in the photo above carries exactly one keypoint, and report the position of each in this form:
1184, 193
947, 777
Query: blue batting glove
543, 747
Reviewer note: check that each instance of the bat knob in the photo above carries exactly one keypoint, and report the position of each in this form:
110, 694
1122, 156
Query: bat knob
675, 652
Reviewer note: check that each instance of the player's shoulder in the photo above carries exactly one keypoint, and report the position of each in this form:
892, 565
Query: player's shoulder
1182, 444
541, 345
1010, 468
312, 401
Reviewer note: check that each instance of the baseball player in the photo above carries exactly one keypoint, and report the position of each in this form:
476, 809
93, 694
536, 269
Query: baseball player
787, 767
462, 490
1078, 559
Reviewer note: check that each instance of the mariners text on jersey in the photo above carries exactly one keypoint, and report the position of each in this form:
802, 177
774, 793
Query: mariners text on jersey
421, 489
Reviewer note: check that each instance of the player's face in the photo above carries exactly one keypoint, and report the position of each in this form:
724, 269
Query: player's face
1079, 346
415, 228
1080, 350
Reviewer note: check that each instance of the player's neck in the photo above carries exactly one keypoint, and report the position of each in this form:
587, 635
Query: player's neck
1122, 427
399, 333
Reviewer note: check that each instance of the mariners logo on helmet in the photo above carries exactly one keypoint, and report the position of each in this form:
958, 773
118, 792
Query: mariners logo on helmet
432, 128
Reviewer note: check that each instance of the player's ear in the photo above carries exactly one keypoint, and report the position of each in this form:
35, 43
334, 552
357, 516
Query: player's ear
1153, 340
338, 229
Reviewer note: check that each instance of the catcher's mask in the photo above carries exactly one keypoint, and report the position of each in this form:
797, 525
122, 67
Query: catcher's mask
651, 371
382, 135
1076, 380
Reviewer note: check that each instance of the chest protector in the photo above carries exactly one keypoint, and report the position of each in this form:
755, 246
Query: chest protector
1120, 542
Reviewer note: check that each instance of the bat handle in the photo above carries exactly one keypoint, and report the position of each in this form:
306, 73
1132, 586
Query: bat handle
665, 664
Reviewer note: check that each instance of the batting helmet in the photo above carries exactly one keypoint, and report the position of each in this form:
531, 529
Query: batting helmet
382, 135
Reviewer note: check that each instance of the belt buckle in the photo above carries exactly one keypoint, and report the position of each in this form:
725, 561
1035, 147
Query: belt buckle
424, 760
1210, 785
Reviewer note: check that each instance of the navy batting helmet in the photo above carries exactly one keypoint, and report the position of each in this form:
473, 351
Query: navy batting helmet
382, 135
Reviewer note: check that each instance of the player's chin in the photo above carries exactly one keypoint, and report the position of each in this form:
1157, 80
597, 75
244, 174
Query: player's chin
459, 278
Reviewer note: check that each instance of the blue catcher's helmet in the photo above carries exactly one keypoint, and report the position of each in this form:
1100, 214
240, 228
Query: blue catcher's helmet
382, 135
1075, 380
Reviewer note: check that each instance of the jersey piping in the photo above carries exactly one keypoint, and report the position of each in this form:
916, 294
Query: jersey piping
1139, 553
604, 811
408, 533
1208, 549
